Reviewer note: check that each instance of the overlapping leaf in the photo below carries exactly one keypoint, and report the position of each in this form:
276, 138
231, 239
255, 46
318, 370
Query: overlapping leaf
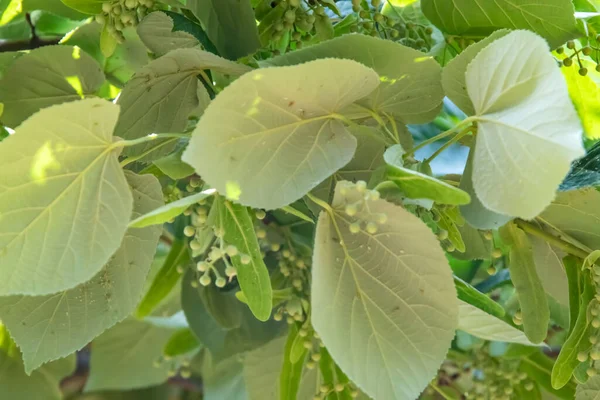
156, 31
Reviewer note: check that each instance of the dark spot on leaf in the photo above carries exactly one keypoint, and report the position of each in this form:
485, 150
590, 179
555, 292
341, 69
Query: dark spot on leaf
291, 103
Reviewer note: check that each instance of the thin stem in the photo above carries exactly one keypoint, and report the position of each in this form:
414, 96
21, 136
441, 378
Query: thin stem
449, 143
438, 137
320, 203
392, 122
561, 244
148, 138
439, 391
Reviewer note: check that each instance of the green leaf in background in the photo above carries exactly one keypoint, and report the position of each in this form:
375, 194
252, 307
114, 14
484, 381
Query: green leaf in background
469, 294
124, 357
552, 19
181, 342
522, 118
291, 372
166, 278
377, 313
169, 211
162, 95
43, 383
56, 7
539, 367
549, 267
410, 87
92, 7
585, 172
223, 379
589, 390
477, 245
53, 326
157, 32
64, 200
275, 132
585, 95
58, 74
173, 167
238, 227
485, 326
527, 283
576, 213
230, 25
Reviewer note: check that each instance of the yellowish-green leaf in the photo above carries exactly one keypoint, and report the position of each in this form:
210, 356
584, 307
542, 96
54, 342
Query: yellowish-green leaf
181, 342
173, 167
156, 31
14, 8
162, 95
485, 326
44, 77
86, 6
589, 390
54, 326
549, 267
528, 132
585, 94
274, 132
410, 86
64, 200
169, 211
383, 303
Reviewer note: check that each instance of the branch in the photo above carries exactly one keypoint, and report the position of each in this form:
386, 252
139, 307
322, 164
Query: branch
28, 44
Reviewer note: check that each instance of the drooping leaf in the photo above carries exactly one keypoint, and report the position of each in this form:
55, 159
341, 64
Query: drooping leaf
230, 25
54, 326
181, 342
477, 246
173, 167
253, 276
124, 357
585, 172
64, 200
44, 77
485, 326
472, 296
274, 133
475, 212
524, 115
384, 324
157, 33
552, 19
527, 283
291, 372
169, 211
576, 214
43, 383
549, 267
166, 278
410, 86
454, 80
161, 96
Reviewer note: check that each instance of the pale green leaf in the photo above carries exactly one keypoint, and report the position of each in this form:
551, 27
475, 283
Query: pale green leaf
156, 31
297, 213
475, 212
472, 296
589, 390
274, 133
173, 167
585, 94
453, 74
253, 277
230, 25
384, 304
169, 211
86, 6
477, 246
485, 326
64, 200
44, 77
292, 365
576, 213
552, 19
162, 95
410, 86
524, 116
43, 383
181, 342
123, 357
6, 59
222, 379
527, 283
53, 326
549, 267
108, 42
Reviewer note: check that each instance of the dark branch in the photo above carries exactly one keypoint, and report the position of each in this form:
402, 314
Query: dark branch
28, 44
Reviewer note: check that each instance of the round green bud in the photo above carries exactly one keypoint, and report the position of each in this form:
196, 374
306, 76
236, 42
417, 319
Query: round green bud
567, 61
100, 18
372, 227
119, 26
593, 339
373, 195
583, 71
117, 10
354, 394
339, 387
277, 317
215, 253
311, 365
596, 323
245, 259
202, 266
320, 10
450, 248
354, 227
205, 280
375, 3
194, 284
356, 8
491, 270
231, 250
195, 245
591, 372
364, 14
560, 50
324, 388
220, 282
171, 373
307, 344
496, 253
586, 51
571, 44
275, 246
316, 356
185, 373
290, 16
180, 269
595, 355
131, 4
230, 271
311, 19
297, 36
351, 210
189, 231
488, 235
429, 30
379, 18
107, 7
517, 321
261, 233
294, 3
289, 320
442, 234
582, 356
286, 253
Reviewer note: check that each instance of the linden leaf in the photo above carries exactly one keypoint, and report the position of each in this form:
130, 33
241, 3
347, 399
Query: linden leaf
528, 130
53, 326
156, 31
383, 303
274, 132
64, 200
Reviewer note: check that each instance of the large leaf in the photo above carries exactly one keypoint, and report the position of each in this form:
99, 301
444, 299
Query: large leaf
43, 383
485, 326
157, 33
384, 303
86, 6
124, 356
549, 267
46, 76
585, 94
576, 213
552, 19
410, 86
589, 390
532, 298
238, 227
274, 133
162, 95
53, 326
525, 118
585, 172
64, 200
230, 25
